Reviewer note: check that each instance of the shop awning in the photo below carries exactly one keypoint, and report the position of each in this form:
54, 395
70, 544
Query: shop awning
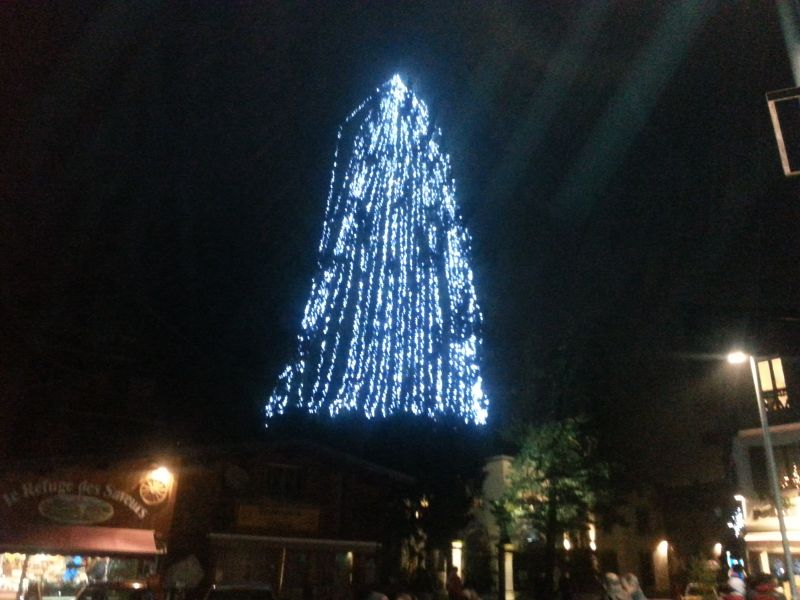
76, 539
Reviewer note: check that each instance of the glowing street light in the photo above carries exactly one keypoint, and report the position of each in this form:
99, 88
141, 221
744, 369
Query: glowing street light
768, 377
737, 358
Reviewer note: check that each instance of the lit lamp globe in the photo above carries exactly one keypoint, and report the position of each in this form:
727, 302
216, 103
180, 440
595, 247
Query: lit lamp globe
737, 358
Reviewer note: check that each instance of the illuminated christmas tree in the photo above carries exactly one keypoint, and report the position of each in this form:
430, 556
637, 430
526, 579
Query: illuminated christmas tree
392, 324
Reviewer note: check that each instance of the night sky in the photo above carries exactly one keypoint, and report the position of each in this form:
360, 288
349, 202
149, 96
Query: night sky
165, 168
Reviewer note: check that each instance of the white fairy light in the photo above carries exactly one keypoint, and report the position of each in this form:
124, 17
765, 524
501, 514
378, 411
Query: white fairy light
392, 323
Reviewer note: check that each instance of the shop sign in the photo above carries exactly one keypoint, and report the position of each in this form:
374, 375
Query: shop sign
130, 495
278, 518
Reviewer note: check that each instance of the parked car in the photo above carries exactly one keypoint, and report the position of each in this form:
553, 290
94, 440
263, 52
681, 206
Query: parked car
240, 591
38, 590
700, 591
116, 590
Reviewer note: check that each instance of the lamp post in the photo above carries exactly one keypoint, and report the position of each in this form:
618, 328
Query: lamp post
739, 358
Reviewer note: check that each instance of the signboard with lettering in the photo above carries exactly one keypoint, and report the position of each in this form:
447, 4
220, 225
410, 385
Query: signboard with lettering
278, 518
133, 494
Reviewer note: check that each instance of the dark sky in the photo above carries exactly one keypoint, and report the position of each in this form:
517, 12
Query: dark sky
165, 166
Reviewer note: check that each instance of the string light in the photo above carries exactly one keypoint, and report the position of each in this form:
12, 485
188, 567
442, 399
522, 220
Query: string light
791, 481
736, 522
392, 323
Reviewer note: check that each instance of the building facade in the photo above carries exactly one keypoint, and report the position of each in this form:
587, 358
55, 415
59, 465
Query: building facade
635, 543
757, 521
66, 522
309, 520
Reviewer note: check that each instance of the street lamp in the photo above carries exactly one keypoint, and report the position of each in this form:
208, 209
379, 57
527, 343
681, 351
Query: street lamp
770, 380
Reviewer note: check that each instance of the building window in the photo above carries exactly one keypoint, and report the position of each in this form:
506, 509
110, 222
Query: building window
284, 482
787, 461
773, 384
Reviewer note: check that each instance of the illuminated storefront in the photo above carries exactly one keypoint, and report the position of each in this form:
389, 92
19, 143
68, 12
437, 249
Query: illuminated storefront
64, 525
757, 520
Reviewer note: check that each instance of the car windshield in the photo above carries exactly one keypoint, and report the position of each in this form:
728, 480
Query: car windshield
240, 594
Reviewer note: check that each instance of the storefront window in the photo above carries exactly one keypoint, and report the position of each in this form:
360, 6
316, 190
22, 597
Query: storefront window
55, 576
777, 565
10, 574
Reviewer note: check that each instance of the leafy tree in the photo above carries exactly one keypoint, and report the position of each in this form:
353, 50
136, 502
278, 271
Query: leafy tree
703, 572
556, 483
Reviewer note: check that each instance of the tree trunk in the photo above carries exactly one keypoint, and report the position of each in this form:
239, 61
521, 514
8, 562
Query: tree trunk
551, 545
